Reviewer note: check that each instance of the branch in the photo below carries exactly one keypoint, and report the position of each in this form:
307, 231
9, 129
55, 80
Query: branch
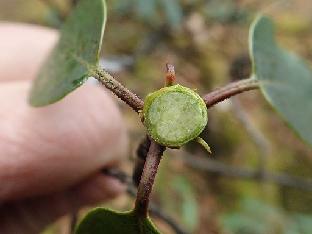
147, 179
222, 169
119, 90
154, 210
230, 90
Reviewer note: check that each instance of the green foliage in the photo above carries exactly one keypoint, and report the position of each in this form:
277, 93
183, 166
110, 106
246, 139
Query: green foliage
285, 79
103, 221
174, 115
76, 52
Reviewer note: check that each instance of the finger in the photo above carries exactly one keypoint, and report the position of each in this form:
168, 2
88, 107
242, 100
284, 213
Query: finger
33, 215
47, 149
23, 49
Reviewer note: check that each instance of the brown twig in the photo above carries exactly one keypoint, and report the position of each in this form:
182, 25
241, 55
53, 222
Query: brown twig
222, 169
119, 90
230, 90
154, 209
153, 158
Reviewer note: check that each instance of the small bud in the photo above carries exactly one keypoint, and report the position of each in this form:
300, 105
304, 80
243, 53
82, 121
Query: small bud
170, 75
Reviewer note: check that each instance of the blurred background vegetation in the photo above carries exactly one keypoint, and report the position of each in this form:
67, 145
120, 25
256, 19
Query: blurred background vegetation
249, 184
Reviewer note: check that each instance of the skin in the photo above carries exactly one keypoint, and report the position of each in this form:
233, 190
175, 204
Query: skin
50, 157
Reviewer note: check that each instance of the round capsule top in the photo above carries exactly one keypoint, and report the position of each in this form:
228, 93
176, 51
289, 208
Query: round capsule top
174, 115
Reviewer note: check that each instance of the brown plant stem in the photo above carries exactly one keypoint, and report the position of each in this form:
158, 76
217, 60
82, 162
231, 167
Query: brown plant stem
130, 98
153, 158
154, 209
230, 90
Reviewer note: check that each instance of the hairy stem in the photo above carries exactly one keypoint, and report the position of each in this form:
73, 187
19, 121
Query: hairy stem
130, 98
230, 90
154, 209
153, 158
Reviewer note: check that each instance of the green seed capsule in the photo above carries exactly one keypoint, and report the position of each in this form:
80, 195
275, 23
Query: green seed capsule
174, 115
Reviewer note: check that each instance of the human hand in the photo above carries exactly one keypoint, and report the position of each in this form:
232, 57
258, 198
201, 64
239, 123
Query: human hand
50, 157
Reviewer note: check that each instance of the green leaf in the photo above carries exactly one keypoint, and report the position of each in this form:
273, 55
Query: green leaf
103, 221
285, 79
77, 51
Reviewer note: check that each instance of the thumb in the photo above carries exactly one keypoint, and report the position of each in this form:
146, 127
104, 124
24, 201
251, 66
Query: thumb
44, 150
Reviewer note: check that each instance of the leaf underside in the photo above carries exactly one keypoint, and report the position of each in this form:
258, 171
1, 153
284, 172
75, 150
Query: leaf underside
285, 79
104, 221
77, 51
